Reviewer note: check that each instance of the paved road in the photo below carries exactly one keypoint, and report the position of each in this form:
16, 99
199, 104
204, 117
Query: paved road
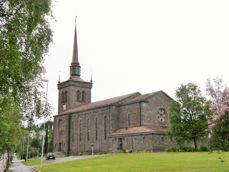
18, 166
71, 158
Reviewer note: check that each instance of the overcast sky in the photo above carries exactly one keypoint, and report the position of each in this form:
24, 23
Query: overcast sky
139, 45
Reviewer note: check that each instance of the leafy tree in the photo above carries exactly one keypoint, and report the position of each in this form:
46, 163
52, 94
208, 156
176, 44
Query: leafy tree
218, 124
188, 115
24, 38
10, 124
48, 137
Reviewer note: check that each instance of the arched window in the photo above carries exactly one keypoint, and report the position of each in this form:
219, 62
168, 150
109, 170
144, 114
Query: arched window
96, 128
88, 129
105, 127
65, 96
80, 130
78, 96
62, 97
73, 131
128, 120
60, 128
83, 96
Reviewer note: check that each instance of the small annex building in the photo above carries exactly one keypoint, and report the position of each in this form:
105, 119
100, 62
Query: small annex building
131, 122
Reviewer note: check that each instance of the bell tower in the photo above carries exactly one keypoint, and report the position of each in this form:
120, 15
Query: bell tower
74, 91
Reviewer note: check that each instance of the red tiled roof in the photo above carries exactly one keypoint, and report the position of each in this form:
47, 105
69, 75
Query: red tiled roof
134, 131
102, 103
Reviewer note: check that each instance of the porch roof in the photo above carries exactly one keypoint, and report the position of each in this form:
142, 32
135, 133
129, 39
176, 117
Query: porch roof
136, 131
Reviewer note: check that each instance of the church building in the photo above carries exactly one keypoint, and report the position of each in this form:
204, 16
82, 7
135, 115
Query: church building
131, 122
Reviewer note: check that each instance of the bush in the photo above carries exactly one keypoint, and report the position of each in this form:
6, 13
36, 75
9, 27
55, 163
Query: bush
203, 149
187, 149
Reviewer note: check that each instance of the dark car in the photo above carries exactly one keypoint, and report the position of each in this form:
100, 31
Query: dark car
50, 155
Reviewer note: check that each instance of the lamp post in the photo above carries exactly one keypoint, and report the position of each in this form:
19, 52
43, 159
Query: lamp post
27, 150
43, 132
42, 149
92, 149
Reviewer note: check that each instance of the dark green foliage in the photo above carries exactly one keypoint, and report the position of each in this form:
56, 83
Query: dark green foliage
48, 147
187, 149
188, 115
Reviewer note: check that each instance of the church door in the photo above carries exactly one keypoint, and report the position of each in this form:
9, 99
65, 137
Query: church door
59, 149
120, 144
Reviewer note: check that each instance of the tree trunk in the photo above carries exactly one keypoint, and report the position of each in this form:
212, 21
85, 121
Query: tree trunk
46, 140
195, 142
7, 161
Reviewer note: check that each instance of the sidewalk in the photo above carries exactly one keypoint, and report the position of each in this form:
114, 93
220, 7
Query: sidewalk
18, 166
2, 162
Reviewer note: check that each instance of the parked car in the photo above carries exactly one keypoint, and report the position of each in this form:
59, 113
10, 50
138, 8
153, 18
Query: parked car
50, 155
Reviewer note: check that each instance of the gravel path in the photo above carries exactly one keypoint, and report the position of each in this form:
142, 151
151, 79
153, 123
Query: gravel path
18, 166
71, 158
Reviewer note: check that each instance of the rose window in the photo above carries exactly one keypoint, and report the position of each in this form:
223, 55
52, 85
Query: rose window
161, 115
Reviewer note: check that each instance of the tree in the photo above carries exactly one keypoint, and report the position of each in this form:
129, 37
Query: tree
24, 38
218, 124
48, 137
188, 115
10, 124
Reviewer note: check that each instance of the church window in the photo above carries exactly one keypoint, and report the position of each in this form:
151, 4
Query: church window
88, 130
80, 130
128, 120
78, 96
96, 128
62, 97
161, 115
60, 128
83, 96
72, 132
105, 127
65, 96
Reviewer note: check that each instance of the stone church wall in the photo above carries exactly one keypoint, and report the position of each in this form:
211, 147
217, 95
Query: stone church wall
114, 118
129, 116
82, 139
141, 143
61, 134
150, 111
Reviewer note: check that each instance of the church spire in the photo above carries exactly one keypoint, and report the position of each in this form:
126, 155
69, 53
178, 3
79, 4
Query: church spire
75, 65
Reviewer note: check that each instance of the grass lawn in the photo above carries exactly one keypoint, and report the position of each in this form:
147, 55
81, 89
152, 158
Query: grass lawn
147, 162
33, 162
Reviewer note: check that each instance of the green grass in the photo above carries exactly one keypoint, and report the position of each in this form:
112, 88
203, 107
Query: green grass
147, 162
34, 162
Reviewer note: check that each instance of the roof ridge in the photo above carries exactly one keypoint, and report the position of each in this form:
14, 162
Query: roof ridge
141, 98
101, 103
